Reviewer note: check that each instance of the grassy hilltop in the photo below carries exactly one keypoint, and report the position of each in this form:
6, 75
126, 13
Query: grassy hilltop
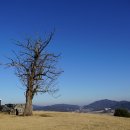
63, 121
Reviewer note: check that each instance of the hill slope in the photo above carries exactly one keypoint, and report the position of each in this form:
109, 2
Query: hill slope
101, 104
58, 107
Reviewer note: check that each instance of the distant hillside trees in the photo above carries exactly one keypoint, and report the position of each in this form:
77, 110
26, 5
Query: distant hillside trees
121, 113
36, 68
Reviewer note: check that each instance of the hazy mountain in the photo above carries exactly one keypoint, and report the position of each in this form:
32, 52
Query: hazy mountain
122, 104
57, 107
95, 106
101, 104
37, 107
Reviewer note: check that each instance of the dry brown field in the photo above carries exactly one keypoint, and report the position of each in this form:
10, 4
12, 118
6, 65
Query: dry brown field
63, 121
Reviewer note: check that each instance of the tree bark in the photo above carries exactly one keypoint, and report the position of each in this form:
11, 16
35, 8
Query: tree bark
28, 106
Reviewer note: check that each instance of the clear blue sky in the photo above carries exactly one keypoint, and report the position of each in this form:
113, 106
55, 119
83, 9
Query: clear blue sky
93, 37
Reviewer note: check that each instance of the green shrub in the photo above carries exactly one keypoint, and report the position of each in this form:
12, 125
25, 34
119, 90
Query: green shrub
121, 113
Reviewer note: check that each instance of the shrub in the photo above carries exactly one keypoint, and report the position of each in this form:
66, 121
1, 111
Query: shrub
121, 113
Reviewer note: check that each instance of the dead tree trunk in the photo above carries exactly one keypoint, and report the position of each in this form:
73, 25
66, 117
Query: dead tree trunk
28, 106
29, 94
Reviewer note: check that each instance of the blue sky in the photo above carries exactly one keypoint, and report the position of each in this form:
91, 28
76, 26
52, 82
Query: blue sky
93, 37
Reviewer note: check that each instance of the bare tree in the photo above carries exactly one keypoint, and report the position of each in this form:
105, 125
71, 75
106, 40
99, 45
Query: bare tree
36, 68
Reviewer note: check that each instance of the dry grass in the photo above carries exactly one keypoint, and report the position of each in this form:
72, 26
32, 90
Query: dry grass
63, 121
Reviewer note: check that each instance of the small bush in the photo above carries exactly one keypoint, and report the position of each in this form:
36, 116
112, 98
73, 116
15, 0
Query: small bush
121, 113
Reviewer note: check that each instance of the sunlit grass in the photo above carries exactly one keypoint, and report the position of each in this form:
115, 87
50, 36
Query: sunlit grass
63, 121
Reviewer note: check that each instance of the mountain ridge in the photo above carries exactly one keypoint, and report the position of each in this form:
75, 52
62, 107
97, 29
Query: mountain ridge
94, 106
105, 103
57, 107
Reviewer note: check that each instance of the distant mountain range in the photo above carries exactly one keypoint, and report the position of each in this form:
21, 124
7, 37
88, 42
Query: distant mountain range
95, 106
57, 107
102, 104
